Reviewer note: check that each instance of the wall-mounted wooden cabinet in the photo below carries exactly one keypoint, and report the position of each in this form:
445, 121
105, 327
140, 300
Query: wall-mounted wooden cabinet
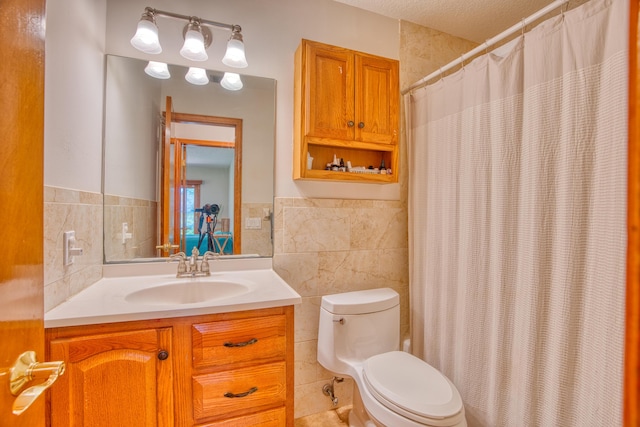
219, 370
346, 104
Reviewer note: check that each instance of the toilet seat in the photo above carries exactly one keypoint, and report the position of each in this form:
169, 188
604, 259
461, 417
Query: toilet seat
412, 388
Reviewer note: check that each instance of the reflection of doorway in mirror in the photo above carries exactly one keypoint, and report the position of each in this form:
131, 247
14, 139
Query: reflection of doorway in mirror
206, 170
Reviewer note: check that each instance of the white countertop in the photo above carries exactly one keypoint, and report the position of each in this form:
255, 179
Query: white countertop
105, 301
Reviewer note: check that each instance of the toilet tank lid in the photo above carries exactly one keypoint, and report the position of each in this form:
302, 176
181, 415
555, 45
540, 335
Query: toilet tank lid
361, 302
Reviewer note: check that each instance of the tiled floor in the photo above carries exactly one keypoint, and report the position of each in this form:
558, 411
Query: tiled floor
337, 418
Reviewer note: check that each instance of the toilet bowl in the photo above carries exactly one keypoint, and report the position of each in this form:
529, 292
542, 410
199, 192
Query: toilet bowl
359, 337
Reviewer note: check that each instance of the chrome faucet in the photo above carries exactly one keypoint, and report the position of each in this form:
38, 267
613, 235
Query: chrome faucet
194, 267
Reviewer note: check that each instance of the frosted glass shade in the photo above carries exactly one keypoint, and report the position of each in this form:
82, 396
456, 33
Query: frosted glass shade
197, 76
146, 37
159, 70
234, 57
231, 81
193, 47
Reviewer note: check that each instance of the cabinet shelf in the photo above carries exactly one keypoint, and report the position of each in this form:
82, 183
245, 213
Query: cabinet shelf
346, 104
349, 176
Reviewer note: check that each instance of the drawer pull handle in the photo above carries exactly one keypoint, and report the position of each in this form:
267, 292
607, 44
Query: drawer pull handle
245, 394
241, 344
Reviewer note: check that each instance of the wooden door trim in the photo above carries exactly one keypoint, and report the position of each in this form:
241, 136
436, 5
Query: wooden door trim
164, 176
632, 338
237, 173
22, 75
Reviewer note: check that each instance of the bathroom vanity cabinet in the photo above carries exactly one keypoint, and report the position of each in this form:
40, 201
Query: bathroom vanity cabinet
219, 370
346, 103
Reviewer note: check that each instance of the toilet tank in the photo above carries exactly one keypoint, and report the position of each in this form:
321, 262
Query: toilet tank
357, 325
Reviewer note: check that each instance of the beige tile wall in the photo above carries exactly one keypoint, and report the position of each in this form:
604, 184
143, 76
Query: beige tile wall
66, 210
257, 241
141, 217
424, 50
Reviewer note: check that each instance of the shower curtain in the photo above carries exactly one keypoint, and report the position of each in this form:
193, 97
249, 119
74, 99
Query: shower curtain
517, 200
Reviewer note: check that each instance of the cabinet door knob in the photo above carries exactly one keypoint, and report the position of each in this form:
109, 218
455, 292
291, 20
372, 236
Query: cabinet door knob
350, 123
163, 355
361, 125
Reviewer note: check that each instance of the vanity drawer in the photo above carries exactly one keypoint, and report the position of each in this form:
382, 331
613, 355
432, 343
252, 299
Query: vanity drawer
258, 339
272, 418
257, 387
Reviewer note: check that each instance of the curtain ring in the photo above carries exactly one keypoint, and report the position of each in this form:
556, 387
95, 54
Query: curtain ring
462, 62
486, 47
523, 26
441, 75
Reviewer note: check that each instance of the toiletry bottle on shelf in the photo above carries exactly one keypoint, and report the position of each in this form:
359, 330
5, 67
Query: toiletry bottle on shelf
309, 161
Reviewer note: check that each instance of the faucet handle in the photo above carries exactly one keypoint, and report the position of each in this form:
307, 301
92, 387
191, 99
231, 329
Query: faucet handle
210, 255
182, 265
180, 255
204, 266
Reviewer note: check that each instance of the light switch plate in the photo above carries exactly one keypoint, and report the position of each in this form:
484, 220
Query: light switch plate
69, 249
253, 223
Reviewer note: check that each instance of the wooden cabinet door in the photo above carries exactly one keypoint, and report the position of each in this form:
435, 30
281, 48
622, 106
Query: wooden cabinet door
377, 99
115, 379
350, 96
329, 103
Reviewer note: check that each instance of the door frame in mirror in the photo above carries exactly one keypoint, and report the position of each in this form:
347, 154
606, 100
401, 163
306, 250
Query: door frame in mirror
168, 140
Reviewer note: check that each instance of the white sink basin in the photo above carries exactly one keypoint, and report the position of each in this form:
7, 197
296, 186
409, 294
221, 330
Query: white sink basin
186, 292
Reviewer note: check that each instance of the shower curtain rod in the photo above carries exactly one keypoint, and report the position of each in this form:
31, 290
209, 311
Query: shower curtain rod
487, 44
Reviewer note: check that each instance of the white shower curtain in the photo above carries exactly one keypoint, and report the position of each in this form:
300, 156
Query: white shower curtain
517, 214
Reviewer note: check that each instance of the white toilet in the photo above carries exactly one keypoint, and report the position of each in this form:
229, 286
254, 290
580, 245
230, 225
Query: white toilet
359, 337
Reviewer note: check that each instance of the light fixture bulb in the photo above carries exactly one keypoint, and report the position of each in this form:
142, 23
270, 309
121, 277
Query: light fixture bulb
234, 57
193, 47
197, 76
146, 37
159, 70
231, 81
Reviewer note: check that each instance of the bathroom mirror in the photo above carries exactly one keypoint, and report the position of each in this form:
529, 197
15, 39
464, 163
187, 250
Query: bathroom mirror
134, 131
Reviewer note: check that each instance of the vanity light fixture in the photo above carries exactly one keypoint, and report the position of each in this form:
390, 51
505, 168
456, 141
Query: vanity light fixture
231, 81
234, 57
197, 37
197, 76
195, 42
159, 70
146, 37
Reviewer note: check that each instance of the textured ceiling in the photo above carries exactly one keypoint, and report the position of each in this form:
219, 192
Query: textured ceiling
474, 20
